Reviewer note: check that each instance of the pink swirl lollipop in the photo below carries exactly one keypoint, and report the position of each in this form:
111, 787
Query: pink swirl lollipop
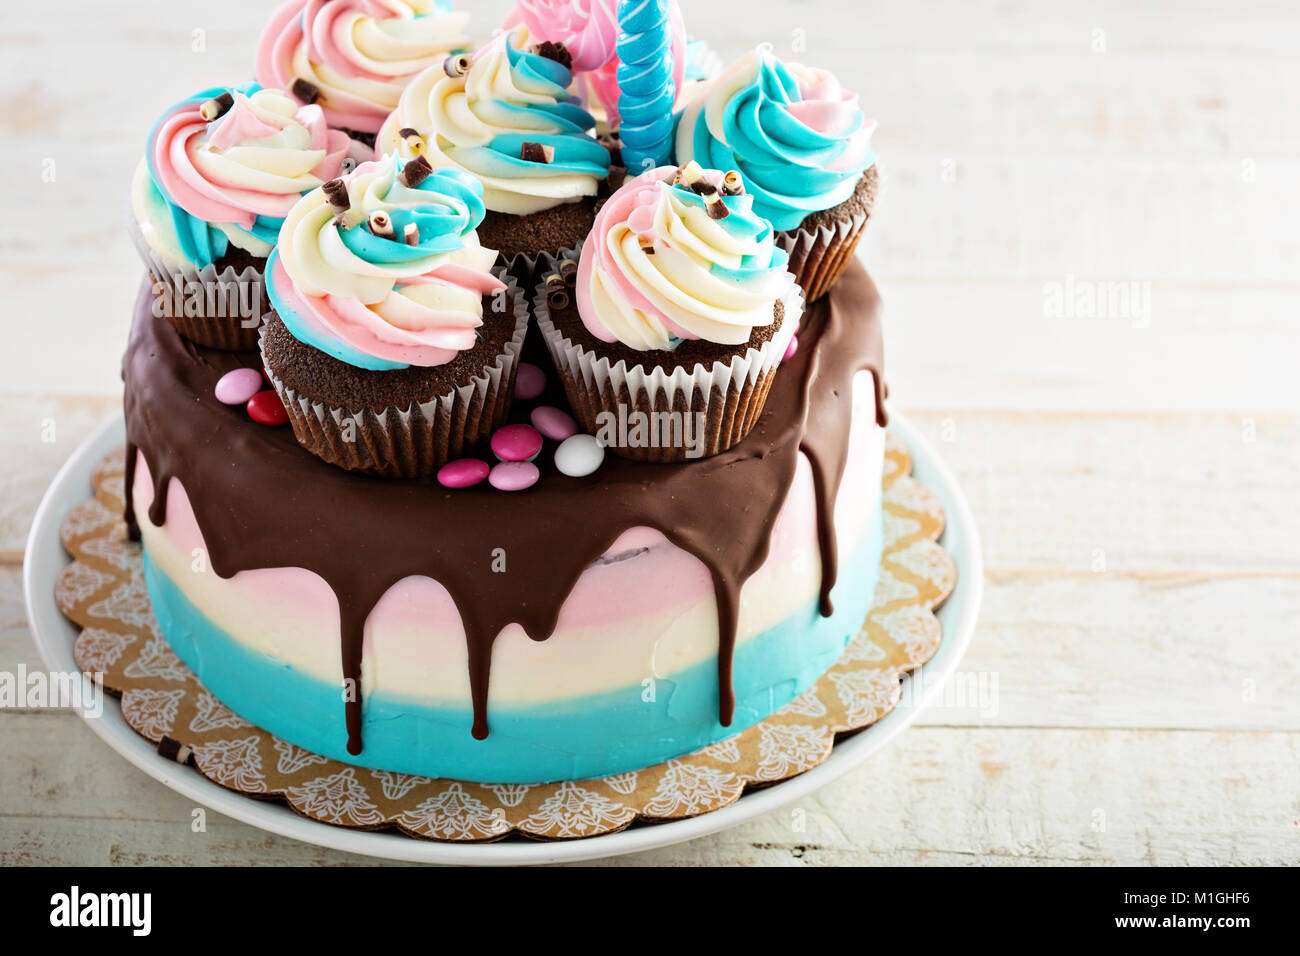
589, 31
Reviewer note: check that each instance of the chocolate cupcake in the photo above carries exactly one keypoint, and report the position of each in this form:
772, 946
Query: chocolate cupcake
679, 314
354, 57
391, 341
504, 115
804, 148
221, 171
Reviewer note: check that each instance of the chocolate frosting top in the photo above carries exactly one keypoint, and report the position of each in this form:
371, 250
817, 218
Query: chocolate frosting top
261, 501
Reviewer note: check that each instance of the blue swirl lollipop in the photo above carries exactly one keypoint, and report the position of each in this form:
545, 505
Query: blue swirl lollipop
645, 82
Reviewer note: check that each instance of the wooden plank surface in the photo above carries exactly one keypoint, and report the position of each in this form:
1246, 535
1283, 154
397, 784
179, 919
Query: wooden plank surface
1130, 696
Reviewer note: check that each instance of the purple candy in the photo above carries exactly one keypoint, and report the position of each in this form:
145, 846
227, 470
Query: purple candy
462, 473
791, 348
530, 381
553, 423
513, 475
516, 443
238, 386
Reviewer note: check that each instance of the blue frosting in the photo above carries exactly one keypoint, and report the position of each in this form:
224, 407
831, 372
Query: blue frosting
783, 161
743, 222
696, 50
591, 736
645, 82
576, 152
201, 242
453, 210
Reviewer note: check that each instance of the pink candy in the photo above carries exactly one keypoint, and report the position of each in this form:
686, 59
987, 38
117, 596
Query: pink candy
462, 473
553, 423
238, 386
513, 475
530, 381
516, 443
791, 348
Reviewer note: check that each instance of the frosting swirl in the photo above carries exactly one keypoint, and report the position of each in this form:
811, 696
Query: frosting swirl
479, 123
359, 54
233, 180
657, 268
800, 141
385, 303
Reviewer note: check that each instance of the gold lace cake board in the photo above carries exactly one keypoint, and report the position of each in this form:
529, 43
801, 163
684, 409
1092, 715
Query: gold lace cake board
103, 592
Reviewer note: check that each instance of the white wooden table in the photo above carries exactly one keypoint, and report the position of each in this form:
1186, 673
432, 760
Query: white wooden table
1134, 467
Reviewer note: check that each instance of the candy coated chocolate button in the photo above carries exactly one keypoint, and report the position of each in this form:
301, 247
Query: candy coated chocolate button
516, 443
265, 408
462, 473
579, 455
553, 423
530, 381
513, 475
238, 386
791, 348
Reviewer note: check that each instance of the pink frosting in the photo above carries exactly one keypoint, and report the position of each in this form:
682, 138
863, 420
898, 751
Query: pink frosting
830, 109
587, 28
589, 31
424, 337
328, 43
222, 201
634, 204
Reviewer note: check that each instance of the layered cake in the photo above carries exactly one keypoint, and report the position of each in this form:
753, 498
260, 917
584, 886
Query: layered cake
439, 523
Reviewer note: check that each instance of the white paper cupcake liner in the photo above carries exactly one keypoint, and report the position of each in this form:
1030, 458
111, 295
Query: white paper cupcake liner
818, 256
411, 442
729, 394
223, 292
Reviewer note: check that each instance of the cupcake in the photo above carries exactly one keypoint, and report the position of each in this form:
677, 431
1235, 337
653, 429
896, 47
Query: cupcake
221, 171
354, 57
391, 341
803, 147
504, 115
681, 312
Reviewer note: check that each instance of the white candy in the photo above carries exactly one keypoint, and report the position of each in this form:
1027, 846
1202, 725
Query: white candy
579, 455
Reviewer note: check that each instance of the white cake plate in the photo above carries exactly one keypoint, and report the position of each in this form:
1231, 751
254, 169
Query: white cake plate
55, 636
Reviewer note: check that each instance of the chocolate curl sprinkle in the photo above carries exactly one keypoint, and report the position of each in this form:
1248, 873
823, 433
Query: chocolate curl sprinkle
689, 175
569, 269
536, 153
732, 184
172, 749
412, 140
556, 52
411, 234
557, 297
457, 65
336, 193
415, 172
380, 224
305, 91
693, 178
216, 107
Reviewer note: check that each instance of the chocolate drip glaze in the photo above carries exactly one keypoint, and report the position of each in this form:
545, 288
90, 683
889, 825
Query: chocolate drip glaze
261, 501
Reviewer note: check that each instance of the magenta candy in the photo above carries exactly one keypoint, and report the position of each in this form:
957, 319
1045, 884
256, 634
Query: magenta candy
791, 348
265, 408
462, 473
553, 423
530, 381
238, 386
513, 475
516, 443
